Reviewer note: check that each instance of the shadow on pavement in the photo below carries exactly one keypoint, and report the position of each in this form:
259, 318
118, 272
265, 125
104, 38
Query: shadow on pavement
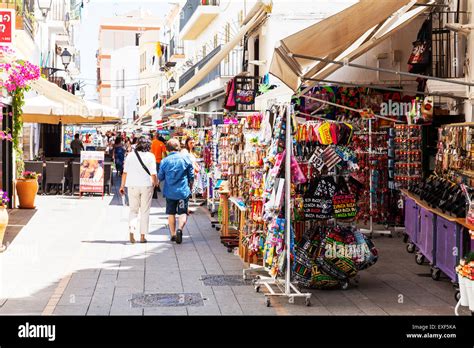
17, 219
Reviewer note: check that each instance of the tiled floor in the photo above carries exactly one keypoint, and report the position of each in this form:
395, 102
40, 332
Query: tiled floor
86, 239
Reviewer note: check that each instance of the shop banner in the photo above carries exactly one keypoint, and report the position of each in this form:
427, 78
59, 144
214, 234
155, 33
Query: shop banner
92, 172
7, 26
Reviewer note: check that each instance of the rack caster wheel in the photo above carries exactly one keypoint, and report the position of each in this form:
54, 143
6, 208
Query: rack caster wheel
419, 259
457, 296
405, 238
213, 214
213, 225
345, 285
267, 302
257, 289
307, 302
229, 250
218, 228
435, 273
411, 248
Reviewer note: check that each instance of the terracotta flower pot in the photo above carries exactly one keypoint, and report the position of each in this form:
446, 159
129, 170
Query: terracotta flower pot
3, 224
27, 189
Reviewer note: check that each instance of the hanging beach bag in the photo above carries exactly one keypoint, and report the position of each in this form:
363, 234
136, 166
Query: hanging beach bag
318, 199
344, 201
244, 94
420, 56
335, 257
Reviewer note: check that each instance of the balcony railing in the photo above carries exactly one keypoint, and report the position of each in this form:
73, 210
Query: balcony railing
176, 47
229, 67
447, 46
59, 81
190, 7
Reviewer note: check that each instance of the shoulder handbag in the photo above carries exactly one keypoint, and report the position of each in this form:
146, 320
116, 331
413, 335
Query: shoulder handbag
155, 189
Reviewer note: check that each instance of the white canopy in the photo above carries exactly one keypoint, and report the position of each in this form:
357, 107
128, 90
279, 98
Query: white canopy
41, 109
345, 35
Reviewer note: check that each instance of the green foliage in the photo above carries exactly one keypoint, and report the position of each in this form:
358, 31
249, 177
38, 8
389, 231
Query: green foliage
18, 101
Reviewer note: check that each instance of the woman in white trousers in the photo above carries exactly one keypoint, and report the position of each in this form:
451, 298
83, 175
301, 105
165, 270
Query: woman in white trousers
139, 176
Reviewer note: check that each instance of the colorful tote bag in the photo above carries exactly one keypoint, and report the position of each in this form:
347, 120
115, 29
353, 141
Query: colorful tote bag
318, 199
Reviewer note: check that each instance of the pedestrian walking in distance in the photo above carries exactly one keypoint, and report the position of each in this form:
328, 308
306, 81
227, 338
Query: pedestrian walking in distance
158, 148
76, 145
139, 176
177, 173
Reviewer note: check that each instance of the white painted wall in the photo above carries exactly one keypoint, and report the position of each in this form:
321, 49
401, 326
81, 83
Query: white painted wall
126, 58
150, 77
287, 17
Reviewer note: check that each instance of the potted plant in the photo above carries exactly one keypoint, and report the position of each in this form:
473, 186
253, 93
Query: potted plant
27, 188
465, 271
3, 216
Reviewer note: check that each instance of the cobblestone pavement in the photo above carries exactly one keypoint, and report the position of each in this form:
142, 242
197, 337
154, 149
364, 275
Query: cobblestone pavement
73, 258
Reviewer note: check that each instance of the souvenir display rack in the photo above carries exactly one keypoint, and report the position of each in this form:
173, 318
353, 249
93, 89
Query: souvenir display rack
276, 286
437, 214
409, 156
376, 156
455, 157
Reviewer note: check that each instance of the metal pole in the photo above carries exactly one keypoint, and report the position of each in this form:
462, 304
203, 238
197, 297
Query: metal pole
389, 71
370, 173
288, 198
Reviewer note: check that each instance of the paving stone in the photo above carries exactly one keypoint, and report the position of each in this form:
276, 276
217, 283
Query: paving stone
70, 310
166, 311
74, 300
108, 270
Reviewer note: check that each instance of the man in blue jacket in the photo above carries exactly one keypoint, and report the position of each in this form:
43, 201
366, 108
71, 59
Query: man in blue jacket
177, 173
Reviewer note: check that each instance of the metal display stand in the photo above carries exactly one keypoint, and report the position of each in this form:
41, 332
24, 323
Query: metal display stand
282, 287
371, 229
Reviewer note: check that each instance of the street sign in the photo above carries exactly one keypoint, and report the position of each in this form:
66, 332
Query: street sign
7, 26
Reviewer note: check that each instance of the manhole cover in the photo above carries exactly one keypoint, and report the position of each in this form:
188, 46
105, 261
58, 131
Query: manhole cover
224, 280
166, 300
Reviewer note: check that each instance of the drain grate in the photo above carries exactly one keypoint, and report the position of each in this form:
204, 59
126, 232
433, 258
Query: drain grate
166, 300
224, 280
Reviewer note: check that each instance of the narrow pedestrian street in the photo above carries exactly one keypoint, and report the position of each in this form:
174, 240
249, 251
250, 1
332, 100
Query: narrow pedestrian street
73, 258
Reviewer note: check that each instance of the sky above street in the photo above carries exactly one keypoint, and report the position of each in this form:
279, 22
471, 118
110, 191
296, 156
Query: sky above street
88, 38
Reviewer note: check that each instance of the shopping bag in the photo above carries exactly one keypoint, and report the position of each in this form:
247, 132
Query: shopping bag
125, 208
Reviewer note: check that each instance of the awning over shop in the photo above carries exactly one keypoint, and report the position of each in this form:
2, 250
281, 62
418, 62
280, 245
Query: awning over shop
343, 36
43, 110
53, 92
164, 111
71, 104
